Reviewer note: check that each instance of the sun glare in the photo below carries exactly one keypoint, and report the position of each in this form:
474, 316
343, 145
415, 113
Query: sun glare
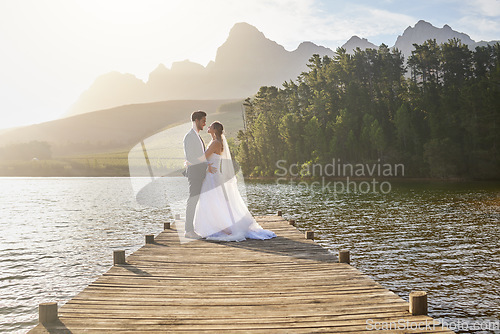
127, 11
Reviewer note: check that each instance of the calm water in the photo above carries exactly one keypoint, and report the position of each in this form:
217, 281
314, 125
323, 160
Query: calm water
57, 236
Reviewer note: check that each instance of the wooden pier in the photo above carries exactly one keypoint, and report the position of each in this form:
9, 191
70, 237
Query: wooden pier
284, 285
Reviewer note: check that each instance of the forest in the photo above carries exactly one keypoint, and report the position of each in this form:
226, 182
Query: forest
438, 113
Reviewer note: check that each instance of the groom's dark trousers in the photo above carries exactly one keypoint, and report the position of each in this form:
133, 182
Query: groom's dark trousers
194, 147
196, 174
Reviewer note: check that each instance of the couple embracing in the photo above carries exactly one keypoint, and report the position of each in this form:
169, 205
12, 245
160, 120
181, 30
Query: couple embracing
215, 209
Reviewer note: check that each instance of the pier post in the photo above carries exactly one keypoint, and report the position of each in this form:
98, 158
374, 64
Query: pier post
177, 217
150, 239
418, 303
310, 235
292, 222
280, 213
166, 226
118, 257
47, 313
344, 256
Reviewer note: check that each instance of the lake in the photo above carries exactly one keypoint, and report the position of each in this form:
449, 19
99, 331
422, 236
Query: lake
57, 235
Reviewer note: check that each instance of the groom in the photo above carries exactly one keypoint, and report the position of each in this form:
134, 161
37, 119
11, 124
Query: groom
194, 151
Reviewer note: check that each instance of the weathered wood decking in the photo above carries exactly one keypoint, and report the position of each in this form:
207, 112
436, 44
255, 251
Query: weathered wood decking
287, 284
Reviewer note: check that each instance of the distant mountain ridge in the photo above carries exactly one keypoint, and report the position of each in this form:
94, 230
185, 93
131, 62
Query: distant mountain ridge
246, 61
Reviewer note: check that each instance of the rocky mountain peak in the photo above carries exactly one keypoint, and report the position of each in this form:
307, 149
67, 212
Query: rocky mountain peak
355, 42
243, 30
422, 31
246, 45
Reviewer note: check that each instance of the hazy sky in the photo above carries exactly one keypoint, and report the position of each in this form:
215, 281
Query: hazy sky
52, 50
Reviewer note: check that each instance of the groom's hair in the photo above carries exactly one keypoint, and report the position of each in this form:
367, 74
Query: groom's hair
198, 115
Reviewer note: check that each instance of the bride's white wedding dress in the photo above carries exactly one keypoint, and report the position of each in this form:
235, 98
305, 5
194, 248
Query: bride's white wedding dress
221, 213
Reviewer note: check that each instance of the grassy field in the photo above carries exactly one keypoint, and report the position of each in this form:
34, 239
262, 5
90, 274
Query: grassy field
111, 164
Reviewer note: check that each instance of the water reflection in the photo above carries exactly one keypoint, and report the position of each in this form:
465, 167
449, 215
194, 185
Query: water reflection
57, 236
442, 238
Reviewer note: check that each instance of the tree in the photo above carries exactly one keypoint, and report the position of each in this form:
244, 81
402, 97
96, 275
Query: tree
442, 122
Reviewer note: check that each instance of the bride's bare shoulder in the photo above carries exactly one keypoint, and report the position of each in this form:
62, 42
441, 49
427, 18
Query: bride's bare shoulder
216, 143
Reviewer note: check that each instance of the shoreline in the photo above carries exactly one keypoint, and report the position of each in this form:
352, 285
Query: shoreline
253, 178
397, 179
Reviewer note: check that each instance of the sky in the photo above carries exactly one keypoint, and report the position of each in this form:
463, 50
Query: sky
53, 50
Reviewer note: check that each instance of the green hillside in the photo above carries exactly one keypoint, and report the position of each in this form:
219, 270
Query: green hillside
98, 143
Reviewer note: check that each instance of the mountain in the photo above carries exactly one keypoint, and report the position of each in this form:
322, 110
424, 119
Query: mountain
355, 42
423, 31
111, 90
246, 61
118, 110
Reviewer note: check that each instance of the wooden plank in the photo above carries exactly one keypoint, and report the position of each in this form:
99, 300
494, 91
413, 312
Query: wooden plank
187, 325
287, 284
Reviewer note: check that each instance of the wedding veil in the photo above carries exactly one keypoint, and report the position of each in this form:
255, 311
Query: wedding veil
227, 167
239, 211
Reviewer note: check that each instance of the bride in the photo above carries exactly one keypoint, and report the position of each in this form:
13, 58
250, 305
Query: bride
221, 213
